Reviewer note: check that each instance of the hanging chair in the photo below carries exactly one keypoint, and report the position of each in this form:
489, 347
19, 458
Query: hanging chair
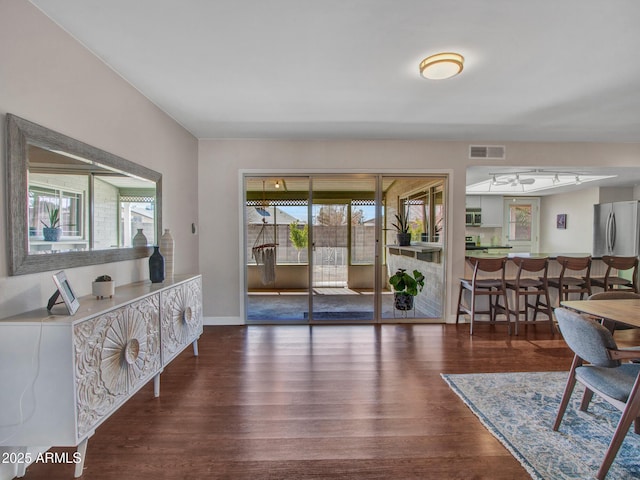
264, 253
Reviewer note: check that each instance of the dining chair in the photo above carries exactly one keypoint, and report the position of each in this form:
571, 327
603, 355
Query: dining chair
605, 375
575, 277
481, 286
613, 281
525, 284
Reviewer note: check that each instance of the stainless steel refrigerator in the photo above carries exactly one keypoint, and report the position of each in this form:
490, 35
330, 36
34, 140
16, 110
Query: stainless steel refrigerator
616, 229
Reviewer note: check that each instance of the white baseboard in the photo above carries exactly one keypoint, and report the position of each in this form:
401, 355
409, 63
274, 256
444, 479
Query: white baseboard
222, 321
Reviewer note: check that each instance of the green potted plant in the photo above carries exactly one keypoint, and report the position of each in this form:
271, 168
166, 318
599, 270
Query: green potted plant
52, 230
402, 227
405, 287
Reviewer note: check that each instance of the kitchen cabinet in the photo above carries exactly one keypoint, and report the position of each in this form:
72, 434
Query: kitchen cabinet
491, 207
492, 210
473, 201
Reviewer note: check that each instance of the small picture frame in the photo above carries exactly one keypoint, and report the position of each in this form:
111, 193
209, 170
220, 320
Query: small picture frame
65, 291
561, 221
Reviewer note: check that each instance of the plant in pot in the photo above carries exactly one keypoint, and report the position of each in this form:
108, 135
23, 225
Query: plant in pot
52, 230
405, 287
103, 287
402, 227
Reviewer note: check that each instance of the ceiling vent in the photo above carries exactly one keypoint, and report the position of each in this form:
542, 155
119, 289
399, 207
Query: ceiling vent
493, 152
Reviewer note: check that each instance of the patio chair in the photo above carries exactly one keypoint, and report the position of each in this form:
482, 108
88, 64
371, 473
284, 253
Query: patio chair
605, 375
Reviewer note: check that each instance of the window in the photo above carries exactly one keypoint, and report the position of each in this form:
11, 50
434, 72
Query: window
43, 200
273, 222
137, 212
363, 233
426, 214
520, 222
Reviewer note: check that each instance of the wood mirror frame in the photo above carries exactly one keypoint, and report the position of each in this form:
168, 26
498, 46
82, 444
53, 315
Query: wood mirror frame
20, 134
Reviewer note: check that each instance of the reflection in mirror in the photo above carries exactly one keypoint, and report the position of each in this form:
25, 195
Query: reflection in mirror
60, 202
83, 205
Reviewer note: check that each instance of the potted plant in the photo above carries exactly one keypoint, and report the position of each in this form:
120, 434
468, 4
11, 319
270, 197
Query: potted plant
52, 230
402, 227
405, 287
103, 287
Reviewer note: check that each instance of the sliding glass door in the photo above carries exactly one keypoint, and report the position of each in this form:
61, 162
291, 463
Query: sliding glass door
276, 249
343, 248
321, 248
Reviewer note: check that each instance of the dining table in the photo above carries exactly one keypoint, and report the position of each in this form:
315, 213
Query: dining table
625, 311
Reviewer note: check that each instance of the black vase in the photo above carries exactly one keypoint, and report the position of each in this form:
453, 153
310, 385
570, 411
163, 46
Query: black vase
156, 266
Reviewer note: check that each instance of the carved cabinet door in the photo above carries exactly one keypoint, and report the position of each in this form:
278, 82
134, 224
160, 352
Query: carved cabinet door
114, 354
181, 317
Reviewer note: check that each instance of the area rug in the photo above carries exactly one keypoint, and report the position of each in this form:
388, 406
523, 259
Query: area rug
519, 409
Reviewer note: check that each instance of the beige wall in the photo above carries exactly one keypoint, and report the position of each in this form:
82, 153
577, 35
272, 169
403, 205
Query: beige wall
578, 236
49, 78
222, 161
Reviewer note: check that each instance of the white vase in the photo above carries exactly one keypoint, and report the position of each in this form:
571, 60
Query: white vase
139, 239
167, 245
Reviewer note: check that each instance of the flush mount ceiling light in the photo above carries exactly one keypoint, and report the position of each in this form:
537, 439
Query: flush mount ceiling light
441, 66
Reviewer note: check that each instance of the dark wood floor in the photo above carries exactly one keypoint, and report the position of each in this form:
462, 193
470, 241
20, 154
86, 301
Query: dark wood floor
325, 402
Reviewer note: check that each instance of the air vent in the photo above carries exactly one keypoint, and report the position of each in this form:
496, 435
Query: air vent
495, 152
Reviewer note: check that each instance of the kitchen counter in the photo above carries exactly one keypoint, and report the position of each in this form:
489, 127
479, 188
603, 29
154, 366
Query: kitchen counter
424, 251
486, 247
551, 256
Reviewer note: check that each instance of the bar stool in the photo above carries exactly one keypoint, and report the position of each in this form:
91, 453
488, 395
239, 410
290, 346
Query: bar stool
613, 282
486, 287
566, 284
527, 286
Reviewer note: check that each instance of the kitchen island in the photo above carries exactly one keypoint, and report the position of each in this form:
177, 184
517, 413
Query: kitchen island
552, 256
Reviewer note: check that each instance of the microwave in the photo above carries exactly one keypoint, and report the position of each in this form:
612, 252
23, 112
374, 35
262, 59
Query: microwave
473, 217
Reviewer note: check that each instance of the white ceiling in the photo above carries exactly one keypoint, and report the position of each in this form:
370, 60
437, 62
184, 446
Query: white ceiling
544, 70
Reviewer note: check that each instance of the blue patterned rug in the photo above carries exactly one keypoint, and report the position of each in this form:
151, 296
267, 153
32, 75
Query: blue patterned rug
519, 409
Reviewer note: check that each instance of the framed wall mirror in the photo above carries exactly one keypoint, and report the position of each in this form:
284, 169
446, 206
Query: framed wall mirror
71, 204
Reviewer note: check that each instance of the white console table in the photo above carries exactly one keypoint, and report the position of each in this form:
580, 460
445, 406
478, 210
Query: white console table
68, 374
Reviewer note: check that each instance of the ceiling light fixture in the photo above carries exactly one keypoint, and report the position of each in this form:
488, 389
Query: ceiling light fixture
520, 182
441, 66
277, 183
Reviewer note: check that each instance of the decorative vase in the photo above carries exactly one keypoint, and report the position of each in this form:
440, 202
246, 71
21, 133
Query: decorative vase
139, 239
167, 246
403, 301
404, 239
51, 234
156, 266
